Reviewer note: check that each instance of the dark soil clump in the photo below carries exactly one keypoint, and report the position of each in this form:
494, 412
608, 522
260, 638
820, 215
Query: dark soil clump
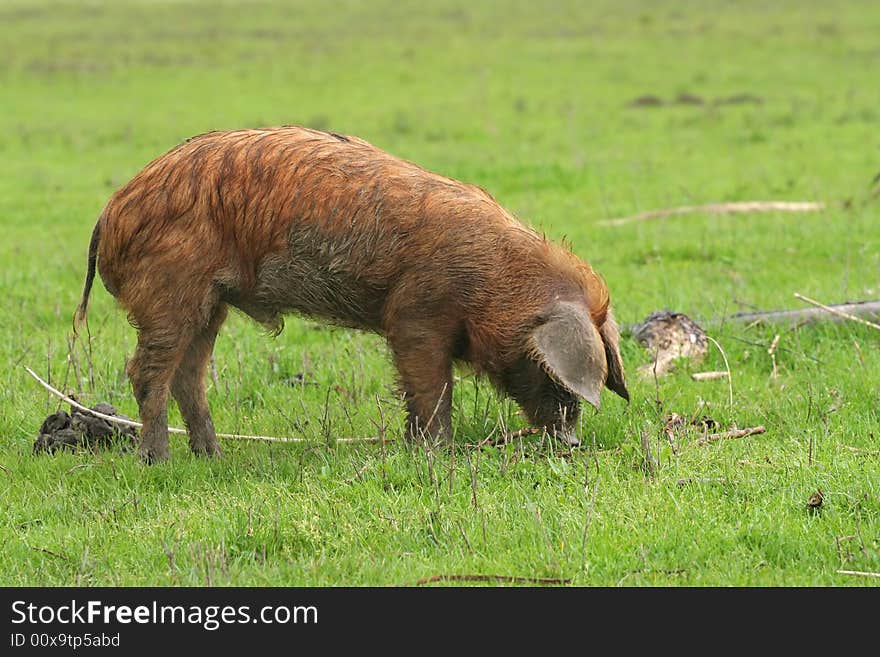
82, 430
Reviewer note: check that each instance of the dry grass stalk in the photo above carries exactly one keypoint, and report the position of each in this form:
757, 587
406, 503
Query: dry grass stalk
719, 208
708, 376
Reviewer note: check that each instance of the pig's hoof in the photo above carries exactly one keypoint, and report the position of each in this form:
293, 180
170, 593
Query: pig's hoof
206, 449
153, 454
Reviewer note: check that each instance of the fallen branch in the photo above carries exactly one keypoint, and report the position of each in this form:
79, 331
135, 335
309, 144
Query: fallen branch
848, 310
57, 555
732, 433
837, 311
507, 437
861, 573
852, 310
507, 579
132, 423
719, 208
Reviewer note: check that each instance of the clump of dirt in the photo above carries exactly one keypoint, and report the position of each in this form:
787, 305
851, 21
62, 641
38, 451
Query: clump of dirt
675, 423
689, 99
83, 430
669, 335
686, 98
646, 101
739, 99
816, 500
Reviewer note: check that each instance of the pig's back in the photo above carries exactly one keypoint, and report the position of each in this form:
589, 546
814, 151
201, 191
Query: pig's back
297, 219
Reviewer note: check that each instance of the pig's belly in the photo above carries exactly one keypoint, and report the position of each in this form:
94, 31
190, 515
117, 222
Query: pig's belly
320, 285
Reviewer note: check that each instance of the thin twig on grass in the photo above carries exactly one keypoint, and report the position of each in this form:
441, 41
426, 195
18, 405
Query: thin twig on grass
835, 311
732, 433
860, 573
506, 579
650, 463
464, 535
215, 376
699, 480
505, 438
589, 520
719, 208
857, 450
422, 431
536, 511
708, 376
131, 423
381, 428
772, 352
473, 474
357, 474
57, 555
727, 367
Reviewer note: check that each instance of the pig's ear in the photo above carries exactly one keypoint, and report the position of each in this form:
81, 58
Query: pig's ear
571, 350
616, 380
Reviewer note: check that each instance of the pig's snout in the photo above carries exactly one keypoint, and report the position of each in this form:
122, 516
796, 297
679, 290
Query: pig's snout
570, 439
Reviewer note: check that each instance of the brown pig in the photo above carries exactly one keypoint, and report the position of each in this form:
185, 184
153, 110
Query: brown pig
296, 220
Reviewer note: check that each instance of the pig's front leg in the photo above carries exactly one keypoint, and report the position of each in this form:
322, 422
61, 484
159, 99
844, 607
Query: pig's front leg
423, 357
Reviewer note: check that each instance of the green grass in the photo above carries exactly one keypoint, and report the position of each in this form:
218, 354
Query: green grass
530, 102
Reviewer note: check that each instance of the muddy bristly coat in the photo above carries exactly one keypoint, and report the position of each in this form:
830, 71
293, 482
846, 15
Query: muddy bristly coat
296, 220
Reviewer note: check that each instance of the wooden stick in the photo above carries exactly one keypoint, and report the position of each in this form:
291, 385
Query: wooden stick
835, 311
49, 552
719, 208
862, 573
508, 579
868, 308
733, 433
708, 376
132, 423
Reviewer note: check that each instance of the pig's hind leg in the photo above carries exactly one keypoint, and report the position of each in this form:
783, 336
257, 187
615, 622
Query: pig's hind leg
160, 348
167, 320
188, 386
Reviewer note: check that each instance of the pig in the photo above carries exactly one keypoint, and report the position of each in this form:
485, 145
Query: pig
290, 219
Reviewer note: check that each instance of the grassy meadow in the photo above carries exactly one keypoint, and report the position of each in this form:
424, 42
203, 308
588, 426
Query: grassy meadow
534, 103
